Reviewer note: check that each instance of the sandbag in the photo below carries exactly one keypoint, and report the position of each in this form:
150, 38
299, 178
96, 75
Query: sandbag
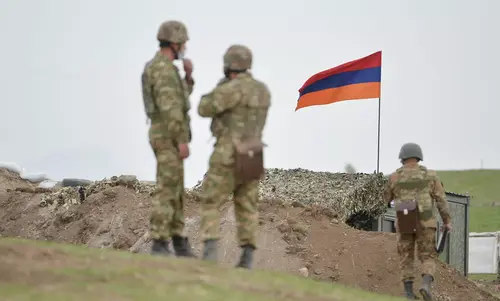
34, 177
12, 167
75, 182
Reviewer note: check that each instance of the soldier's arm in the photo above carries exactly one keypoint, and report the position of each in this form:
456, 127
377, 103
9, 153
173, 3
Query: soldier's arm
388, 191
221, 99
438, 194
171, 106
189, 84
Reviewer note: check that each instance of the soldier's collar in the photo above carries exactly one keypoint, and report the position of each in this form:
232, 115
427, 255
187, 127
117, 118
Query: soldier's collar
244, 74
163, 56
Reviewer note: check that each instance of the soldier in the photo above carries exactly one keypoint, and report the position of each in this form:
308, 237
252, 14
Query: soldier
415, 189
238, 106
166, 101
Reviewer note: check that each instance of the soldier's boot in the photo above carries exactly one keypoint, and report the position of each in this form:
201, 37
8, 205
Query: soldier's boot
182, 247
410, 295
210, 250
246, 259
160, 247
425, 289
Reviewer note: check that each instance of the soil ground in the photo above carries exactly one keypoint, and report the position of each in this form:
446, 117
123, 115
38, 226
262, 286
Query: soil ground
299, 240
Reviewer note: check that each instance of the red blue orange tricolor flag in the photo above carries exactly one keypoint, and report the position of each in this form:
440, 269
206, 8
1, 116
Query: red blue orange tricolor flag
358, 79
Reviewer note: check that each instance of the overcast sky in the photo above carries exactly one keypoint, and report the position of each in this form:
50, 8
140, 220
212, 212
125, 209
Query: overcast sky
71, 101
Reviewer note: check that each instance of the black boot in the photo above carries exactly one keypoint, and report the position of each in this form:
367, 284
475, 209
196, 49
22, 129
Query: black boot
210, 250
246, 258
425, 289
182, 247
160, 247
409, 294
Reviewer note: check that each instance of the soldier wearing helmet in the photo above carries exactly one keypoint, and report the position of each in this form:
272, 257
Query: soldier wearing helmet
238, 107
166, 102
415, 190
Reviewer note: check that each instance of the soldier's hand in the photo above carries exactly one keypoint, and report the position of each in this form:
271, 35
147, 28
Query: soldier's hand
446, 226
188, 67
183, 151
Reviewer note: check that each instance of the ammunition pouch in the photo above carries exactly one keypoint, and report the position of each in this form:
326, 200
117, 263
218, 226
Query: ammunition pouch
249, 159
407, 217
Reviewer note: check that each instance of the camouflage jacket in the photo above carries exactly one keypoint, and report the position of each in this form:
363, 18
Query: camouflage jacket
416, 182
166, 99
238, 109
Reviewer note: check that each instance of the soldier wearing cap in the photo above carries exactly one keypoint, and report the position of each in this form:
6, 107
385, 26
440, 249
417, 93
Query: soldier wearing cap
166, 102
238, 107
414, 183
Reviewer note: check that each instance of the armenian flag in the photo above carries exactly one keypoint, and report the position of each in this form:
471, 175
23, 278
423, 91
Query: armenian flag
358, 79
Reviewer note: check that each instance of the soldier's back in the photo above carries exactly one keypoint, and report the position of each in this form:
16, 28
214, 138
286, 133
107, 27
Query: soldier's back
156, 68
415, 172
252, 109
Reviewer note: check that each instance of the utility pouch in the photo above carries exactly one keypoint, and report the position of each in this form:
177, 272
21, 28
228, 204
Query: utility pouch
407, 217
249, 159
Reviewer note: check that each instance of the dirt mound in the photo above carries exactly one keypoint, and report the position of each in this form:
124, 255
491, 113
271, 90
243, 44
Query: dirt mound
10, 180
300, 237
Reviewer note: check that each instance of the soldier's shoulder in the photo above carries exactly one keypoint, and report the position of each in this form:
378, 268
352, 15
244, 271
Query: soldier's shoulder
260, 83
431, 173
425, 169
394, 175
399, 170
228, 87
158, 64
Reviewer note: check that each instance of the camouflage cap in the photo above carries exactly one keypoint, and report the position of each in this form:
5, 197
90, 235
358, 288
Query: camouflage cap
411, 150
172, 31
238, 57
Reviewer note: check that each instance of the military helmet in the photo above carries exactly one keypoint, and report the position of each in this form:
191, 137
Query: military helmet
172, 31
238, 58
411, 150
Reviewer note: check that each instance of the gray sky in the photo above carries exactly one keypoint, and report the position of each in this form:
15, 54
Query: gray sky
71, 97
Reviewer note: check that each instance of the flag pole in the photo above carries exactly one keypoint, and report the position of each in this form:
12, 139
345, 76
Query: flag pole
378, 138
378, 122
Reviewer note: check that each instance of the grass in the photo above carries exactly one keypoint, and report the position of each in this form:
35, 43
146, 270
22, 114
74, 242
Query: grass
483, 185
486, 279
484, 219
43, 271
483, 277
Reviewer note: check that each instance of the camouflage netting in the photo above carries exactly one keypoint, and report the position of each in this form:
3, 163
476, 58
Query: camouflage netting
356, 198
67, 196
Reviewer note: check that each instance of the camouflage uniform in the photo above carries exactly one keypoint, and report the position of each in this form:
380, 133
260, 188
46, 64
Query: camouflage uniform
238, 107
166, 101
414, 181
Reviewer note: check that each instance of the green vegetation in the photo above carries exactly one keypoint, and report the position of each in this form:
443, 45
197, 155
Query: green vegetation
484, 219
42, 271
483, 185
483, 277
488, 280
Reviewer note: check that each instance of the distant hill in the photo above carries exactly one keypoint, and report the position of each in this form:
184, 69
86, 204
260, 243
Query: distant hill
483, 185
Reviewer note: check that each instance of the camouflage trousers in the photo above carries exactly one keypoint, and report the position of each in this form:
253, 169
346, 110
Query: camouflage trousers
167, 216
425, 242
218, 185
